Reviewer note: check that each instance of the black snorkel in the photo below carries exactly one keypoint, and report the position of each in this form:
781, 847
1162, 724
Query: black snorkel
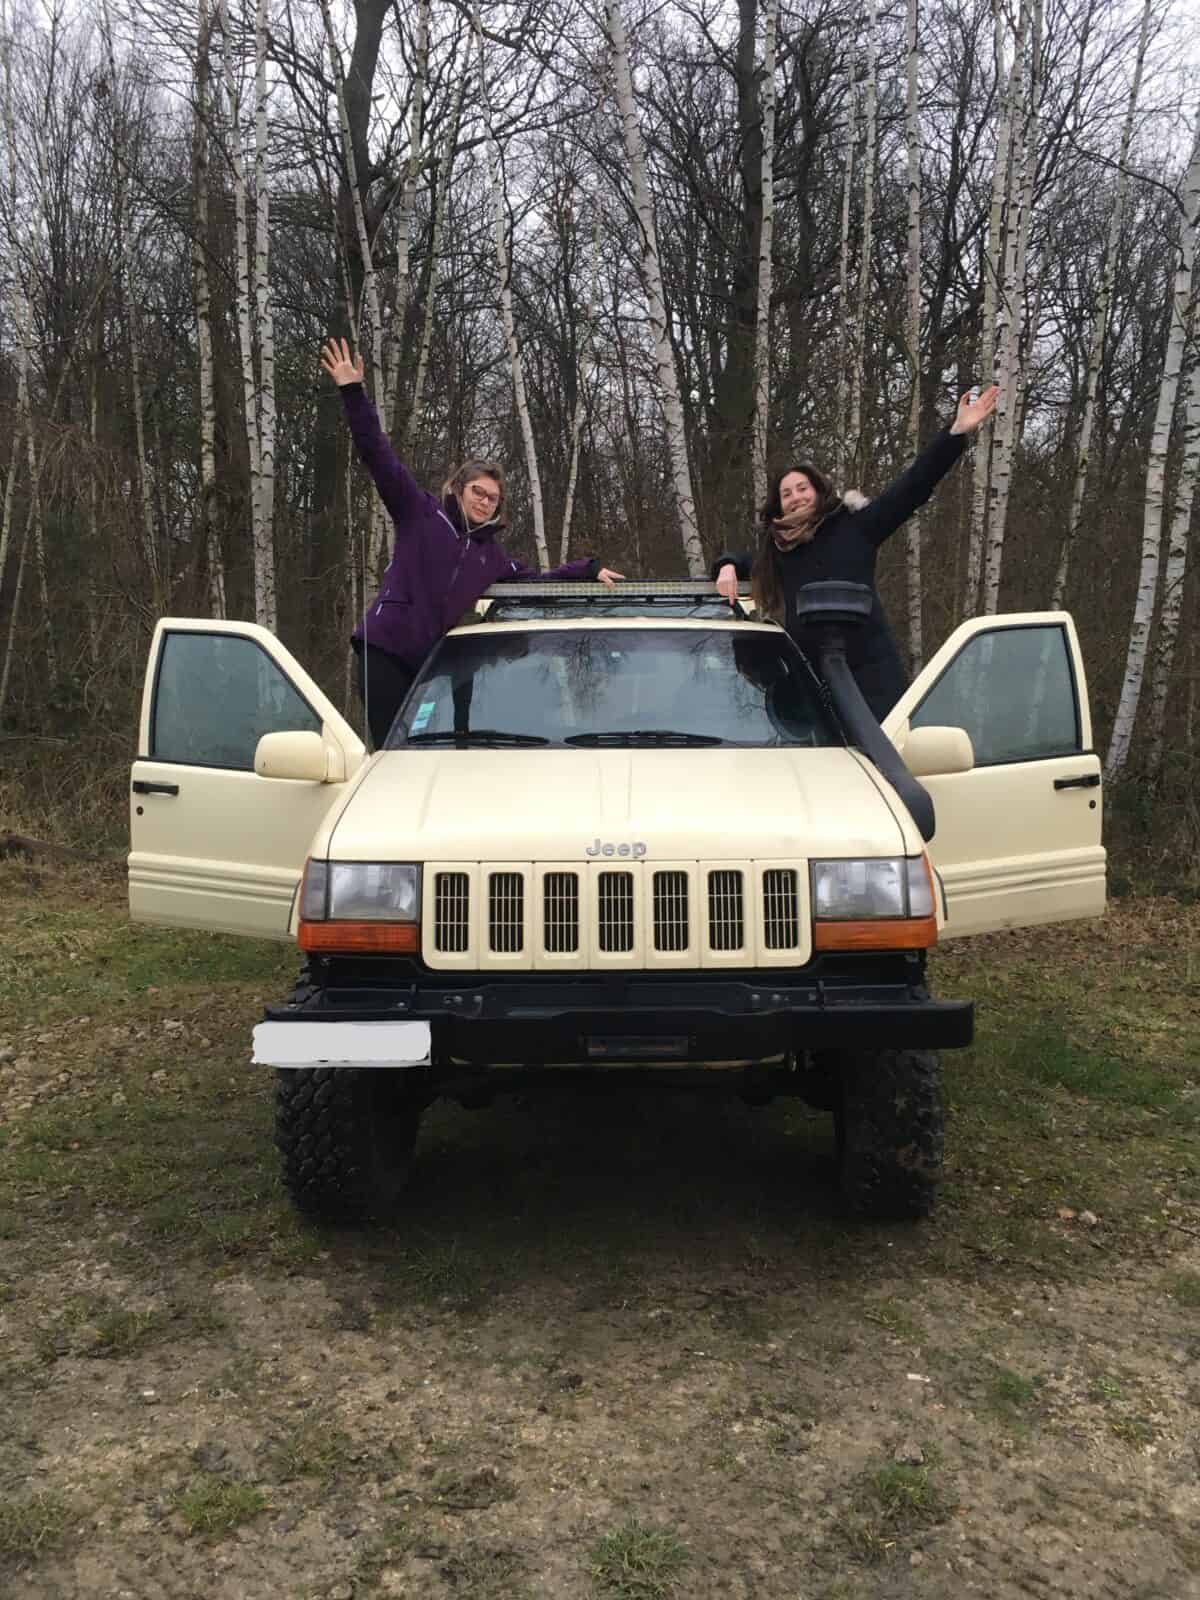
826, 611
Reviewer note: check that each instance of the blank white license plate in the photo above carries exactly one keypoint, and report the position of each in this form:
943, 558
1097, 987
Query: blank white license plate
341, 1044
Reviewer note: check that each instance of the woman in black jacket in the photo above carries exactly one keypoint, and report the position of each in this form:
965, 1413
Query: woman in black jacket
811, 534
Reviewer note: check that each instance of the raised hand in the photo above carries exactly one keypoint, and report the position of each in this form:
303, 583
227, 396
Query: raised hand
727, 582
973, 412
341, 366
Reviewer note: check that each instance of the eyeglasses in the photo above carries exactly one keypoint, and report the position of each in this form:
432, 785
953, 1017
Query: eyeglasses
486, 495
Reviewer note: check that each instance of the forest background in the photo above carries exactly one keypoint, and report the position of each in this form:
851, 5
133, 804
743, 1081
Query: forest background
641, 253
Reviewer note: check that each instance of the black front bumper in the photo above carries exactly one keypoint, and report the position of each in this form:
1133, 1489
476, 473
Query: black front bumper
610, 1019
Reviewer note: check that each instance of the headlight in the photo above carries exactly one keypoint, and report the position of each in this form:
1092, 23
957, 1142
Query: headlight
361, 891
872, 887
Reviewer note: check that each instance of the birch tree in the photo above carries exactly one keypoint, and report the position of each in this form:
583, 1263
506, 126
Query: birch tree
1011, 314
264, 522
871, 138
202, 291
370, 286
913, 318
1108, 272
762, 331
516, 366
841, 418
651, 272
1143, 610
408, 205
1175, 571
992, 274
585, 351
445, 170
128, 302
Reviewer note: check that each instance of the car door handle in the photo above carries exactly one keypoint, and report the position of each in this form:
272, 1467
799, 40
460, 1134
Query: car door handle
1091, 781
140, 786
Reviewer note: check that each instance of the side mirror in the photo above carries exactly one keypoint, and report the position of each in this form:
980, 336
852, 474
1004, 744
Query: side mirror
935, 752
302, 756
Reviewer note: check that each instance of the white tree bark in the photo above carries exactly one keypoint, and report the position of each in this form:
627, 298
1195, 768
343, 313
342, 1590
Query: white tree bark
586, 344
1108, 272
844, 355
445, 169
913, 318
1011, 312
762, 330
993, 272
202, 291
1143, 610
264, 522
408, 205
668, 377
503, 268
870, 149
1175, 572
127, 295
370, 289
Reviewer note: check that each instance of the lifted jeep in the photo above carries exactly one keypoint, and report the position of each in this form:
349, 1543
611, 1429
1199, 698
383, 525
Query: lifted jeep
631, 835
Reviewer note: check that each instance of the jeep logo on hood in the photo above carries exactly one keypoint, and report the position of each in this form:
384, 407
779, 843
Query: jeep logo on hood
603, 847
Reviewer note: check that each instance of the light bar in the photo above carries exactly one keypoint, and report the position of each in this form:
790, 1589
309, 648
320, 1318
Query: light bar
677, 589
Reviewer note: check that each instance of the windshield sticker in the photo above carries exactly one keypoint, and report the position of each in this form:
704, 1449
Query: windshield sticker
424, 711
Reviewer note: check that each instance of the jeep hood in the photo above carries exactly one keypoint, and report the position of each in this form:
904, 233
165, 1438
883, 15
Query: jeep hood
567, 805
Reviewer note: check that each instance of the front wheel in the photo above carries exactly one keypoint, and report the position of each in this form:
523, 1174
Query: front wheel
889, 1118
346, 1139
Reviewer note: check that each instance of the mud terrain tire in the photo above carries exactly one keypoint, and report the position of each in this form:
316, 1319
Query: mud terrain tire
346, 1138
890, 1124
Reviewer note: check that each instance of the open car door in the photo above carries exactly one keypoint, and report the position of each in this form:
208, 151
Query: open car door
1018, 836
213, 844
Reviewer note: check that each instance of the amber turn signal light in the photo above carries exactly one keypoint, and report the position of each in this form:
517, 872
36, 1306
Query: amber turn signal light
884, 933
360, 938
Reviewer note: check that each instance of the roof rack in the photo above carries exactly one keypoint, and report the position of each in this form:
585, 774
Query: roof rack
633, 589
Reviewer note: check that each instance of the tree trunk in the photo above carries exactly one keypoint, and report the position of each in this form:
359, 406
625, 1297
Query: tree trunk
1175, 573
516, 366
209, 533
264, 548
868, 241
445, 170
408, 205
1010, 318
1143, 611
1108, 272
668, 377
844, 352
913, 320
762, 340
585, 349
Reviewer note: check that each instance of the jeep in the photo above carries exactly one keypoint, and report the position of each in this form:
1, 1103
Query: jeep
625, 836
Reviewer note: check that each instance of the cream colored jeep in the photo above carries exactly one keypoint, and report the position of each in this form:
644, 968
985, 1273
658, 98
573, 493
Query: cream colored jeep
611, 833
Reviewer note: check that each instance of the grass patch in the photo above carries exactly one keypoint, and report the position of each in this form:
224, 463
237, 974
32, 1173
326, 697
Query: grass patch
638, 1562
894, 1318
889, 1504
215, 1505
1137, 1431
314, 1450
31, 1525
1008, 1395
1184, 1287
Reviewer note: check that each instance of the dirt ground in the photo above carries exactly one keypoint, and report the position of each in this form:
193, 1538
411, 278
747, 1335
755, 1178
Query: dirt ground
615, 1346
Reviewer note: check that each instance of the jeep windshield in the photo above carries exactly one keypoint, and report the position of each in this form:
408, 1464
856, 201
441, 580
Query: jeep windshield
605, 688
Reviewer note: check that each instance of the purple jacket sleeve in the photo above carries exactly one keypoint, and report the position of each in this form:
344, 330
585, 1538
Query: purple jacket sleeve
570, 572
398, 489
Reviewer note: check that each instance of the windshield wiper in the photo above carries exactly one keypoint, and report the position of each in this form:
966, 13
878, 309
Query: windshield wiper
476, 736
619, 737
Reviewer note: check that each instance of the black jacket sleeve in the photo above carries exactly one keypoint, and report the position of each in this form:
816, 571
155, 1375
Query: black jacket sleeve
883, 515
742, 561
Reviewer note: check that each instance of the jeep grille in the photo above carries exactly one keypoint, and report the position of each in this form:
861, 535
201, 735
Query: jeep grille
615, 912
506, 912
726, 911
681, 915
560, 912
781, 912
671, 911
452, 912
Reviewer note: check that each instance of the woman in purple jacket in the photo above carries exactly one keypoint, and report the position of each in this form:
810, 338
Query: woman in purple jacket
444, 556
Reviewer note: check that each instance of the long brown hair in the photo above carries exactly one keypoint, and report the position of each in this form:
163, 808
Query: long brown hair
766, 582
466, 473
